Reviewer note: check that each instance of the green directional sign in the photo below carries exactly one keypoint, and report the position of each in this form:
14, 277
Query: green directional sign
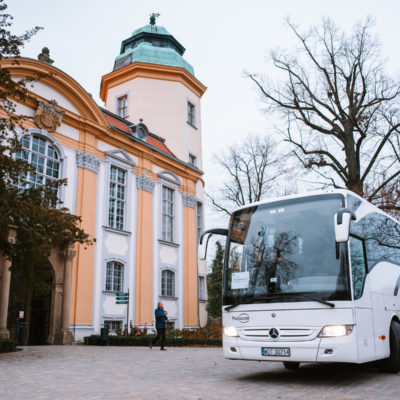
122, 298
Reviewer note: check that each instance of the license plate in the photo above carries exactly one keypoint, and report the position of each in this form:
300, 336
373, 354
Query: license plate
275, 351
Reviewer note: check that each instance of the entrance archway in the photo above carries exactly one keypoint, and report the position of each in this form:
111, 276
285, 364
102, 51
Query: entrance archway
40, 315
30, 307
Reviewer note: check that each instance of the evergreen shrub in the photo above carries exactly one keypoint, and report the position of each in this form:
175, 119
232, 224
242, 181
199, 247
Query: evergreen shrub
7, 345
95, 340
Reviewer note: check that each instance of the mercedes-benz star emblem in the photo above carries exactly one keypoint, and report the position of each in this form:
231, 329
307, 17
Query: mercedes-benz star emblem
274, 333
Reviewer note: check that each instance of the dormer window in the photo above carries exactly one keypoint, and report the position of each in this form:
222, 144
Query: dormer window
122, 106
140, 130
141, 133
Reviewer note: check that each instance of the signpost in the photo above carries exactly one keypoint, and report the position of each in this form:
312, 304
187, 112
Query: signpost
123, 298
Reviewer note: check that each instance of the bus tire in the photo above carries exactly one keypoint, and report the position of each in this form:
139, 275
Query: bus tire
392, 364
291, 365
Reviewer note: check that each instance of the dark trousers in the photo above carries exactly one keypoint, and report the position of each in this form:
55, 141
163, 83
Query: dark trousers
160, 334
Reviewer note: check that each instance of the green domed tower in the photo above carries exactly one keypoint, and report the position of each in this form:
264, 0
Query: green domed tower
152, 81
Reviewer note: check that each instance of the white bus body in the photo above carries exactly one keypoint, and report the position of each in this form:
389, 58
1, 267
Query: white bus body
309, 298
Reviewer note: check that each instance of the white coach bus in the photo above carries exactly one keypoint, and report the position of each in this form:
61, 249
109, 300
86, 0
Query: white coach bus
311, 278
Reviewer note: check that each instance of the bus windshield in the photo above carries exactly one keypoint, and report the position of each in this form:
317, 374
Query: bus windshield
286, 251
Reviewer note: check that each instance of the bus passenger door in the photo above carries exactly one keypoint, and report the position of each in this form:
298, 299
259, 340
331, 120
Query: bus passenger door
363, 312
380, 325
365, 326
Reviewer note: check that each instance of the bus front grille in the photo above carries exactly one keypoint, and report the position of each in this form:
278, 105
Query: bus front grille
288, 334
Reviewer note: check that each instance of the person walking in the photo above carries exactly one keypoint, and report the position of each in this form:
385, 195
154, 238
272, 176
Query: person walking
161, 318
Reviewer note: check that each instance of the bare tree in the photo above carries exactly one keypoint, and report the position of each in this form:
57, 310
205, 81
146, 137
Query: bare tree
252, 170
340, 108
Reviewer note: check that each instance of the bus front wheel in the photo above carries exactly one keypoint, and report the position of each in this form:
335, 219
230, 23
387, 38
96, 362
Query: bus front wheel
291, 365
392, 364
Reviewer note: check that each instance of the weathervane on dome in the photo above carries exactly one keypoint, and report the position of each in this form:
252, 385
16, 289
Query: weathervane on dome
153, 17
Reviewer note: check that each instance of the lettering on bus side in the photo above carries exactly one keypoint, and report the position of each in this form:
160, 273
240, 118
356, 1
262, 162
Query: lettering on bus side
243, 318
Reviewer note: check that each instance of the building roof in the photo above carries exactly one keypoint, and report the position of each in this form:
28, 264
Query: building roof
123, 125
151, 29
154, 45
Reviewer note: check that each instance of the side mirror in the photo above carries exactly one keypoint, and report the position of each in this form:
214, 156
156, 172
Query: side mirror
342, 224
202, 248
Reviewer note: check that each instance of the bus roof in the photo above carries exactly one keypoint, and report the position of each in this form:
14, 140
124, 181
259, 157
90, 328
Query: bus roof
366, 208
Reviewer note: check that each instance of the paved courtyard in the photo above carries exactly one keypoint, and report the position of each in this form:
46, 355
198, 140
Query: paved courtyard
83, 372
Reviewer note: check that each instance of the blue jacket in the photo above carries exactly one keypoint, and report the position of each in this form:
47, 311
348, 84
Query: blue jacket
160, 318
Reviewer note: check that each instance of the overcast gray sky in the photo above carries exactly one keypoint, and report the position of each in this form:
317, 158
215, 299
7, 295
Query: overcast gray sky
222, 39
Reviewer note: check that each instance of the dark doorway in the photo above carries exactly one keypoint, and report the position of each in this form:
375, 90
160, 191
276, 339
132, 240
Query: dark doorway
30, 307
39, 321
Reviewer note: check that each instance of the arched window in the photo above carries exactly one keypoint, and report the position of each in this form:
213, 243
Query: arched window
43, 156
167, 283
114, 276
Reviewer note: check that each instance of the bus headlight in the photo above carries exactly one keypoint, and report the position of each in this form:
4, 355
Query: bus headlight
230, 331
336, 330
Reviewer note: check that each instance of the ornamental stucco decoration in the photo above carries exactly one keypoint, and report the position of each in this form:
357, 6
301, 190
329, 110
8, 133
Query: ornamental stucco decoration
87, 161
48, 116
145, 183
189, 200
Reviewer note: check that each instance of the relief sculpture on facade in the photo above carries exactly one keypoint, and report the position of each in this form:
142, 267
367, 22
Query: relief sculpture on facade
47, 116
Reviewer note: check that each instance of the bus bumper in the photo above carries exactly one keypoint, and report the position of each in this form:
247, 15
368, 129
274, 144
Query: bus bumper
338, 349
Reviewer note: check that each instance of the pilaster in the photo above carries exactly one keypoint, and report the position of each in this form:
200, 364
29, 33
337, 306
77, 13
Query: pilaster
64, 335
144, 251
5, 290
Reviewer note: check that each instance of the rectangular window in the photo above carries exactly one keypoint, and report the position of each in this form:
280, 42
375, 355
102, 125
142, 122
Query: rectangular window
113, 325
191, 113
114, 276
167, 283
167, 214
199, 220
358, 266
122, 106
170, 324
117, 198
192, 159
202, 288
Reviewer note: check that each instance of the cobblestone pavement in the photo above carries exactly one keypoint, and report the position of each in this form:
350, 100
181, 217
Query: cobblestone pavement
86, 372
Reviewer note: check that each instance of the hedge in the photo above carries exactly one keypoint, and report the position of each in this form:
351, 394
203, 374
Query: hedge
7, 345
95, 340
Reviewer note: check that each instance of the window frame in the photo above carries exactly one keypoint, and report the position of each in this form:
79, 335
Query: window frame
164, 235
365, 261
121, 159
113, 288
113, 321
171, 180
42, 133
173, 283
126, 105
202, 290
191, 113
199, 220
115, 197
192, 157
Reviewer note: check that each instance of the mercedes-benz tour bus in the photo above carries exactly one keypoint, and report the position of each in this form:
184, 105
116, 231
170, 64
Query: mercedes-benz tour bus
311, 278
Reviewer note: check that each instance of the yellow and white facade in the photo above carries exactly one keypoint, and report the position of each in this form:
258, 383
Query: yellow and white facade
134, 176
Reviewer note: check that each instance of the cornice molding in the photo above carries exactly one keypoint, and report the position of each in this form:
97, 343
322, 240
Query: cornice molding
151, 71
59, 81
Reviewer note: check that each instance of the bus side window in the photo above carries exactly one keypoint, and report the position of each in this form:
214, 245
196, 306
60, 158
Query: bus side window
358, 265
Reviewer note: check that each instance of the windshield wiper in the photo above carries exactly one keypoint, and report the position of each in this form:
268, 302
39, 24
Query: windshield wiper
328, 303
253, 300
277, 296
248, 301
